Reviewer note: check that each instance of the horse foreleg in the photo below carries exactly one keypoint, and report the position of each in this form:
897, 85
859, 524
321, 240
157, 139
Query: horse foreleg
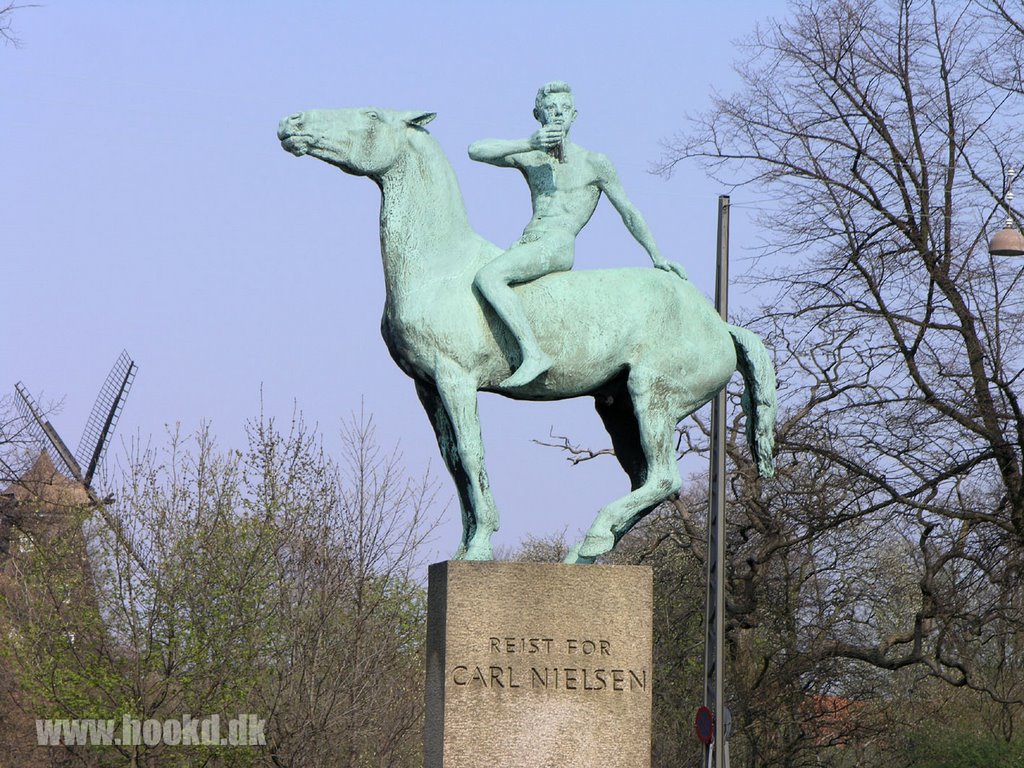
463, 448
448, 444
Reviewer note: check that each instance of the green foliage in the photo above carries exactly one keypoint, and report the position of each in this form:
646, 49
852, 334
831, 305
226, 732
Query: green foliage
270, 581
930, 749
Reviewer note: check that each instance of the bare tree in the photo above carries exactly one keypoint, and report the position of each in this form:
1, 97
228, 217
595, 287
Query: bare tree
893, 535
1005, 64
18, 448
7, 10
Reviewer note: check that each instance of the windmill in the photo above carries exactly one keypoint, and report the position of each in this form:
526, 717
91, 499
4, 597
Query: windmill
81, 466
95, 438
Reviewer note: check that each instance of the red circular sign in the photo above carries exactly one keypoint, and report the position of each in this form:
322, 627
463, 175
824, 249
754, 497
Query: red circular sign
705, 725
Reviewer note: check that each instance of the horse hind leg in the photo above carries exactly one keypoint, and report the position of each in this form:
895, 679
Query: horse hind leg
616, 412
642, 436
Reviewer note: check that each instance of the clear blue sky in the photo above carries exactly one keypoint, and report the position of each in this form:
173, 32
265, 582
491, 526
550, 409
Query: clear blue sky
145, 203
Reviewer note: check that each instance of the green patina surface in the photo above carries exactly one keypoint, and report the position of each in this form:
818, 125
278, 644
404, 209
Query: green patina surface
644, 343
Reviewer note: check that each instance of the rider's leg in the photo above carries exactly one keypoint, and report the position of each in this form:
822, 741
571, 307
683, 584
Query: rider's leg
519, 264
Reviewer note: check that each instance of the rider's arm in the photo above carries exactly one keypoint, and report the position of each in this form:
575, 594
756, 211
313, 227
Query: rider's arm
608, 181
503, 152
498, 151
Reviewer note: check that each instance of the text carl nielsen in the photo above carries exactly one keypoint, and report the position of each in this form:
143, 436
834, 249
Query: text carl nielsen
597, 672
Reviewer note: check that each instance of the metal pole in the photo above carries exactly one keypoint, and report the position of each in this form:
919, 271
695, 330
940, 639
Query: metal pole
715, 605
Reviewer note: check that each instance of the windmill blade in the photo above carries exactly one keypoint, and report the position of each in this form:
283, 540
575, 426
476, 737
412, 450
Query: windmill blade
105, 412
45, 435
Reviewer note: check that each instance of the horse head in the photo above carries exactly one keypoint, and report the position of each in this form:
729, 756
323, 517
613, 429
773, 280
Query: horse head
364, 142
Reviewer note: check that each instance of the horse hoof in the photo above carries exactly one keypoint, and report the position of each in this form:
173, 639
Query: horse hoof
575, 558
594, 545
478, 553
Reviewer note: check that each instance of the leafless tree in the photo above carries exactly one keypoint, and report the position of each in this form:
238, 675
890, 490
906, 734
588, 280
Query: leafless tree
893, 536
7, 10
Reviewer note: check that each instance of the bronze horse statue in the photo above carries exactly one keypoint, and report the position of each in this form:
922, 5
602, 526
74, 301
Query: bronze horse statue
644, 343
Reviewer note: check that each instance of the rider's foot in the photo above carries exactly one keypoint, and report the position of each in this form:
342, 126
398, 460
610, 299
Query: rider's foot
532, 367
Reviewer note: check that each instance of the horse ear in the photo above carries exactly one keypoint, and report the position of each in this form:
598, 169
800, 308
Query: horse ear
418, 119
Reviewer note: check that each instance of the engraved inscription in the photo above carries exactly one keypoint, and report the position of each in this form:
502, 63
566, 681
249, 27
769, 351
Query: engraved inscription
588, 647
521, 644
554, 678
594, 671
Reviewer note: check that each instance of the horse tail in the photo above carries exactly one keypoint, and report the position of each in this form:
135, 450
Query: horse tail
759, 403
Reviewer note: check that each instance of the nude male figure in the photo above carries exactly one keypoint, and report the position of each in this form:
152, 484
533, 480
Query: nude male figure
565, 181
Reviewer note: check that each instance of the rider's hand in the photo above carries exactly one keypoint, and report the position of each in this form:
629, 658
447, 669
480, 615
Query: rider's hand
547, 137
671, 266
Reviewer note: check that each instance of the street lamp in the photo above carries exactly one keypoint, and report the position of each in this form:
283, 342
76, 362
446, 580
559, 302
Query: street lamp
1009, 241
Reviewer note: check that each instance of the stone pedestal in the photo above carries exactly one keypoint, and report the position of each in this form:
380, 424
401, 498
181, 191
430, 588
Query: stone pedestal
540, 665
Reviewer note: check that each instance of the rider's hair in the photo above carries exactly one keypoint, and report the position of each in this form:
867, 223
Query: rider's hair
555, 86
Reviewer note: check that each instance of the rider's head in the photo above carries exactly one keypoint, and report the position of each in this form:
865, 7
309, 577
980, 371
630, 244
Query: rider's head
555, 103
